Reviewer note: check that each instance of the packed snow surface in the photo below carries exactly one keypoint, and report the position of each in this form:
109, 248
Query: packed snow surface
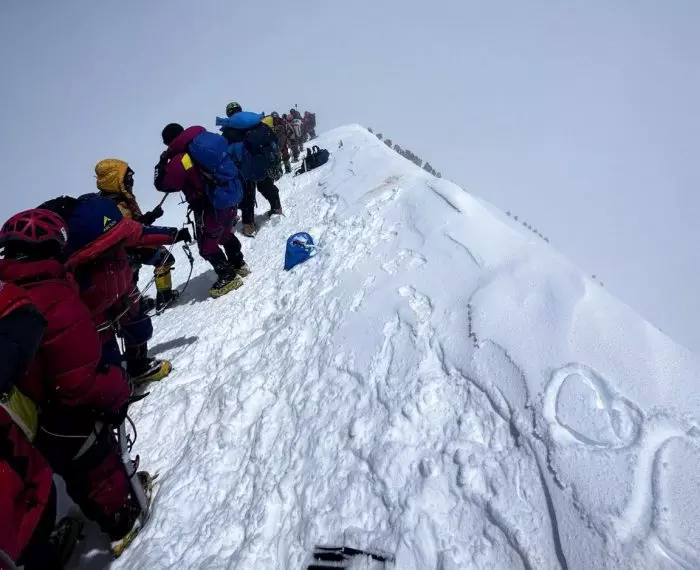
433, 384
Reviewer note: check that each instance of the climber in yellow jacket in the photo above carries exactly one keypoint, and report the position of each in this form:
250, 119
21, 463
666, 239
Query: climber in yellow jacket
115, 180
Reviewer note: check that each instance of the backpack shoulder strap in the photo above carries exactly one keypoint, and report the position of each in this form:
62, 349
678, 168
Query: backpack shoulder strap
186, 161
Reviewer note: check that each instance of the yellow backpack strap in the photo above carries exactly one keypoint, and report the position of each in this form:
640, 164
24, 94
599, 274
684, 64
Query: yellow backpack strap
186, 161
22, 411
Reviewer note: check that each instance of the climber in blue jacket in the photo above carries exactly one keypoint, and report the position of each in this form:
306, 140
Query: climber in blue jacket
254, 147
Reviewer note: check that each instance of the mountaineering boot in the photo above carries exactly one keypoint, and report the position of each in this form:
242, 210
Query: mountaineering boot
228, 279
225, 285
287, 167
275, 212
166, 298
234, 255
146, 482
142, 368
151, 370
243, 270
249, 230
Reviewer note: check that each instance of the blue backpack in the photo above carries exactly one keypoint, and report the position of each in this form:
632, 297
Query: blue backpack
210, 152
253, 144
300, 247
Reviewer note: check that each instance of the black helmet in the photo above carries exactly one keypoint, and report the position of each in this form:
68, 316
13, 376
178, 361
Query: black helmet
233, 108
171, 132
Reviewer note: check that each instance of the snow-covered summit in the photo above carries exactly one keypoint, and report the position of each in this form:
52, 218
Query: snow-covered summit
433, 384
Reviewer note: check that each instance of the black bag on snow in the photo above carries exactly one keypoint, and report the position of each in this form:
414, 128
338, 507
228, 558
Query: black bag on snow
315, 157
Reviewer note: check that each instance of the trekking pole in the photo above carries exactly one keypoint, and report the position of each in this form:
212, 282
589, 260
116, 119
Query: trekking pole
160, 204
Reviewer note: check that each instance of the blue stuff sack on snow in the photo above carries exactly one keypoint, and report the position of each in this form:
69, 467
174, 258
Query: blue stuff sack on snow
300, 247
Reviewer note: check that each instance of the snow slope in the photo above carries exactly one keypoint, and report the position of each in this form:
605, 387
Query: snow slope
433, 384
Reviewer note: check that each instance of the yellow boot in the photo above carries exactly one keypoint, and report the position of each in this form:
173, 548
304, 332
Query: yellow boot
142, 368
223, 286
165, 295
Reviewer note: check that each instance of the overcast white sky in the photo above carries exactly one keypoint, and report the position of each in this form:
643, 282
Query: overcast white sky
580, 116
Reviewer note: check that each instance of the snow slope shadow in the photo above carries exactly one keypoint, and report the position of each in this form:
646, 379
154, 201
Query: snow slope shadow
172, 344
198, 288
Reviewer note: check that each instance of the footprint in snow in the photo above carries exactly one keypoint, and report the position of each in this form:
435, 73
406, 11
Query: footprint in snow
404, 259
420, 304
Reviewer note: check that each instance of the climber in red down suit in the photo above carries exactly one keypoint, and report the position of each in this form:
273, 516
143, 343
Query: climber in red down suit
178, 172
79, 396
27, 495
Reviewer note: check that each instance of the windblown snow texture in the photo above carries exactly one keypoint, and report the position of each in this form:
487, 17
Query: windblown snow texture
432, 384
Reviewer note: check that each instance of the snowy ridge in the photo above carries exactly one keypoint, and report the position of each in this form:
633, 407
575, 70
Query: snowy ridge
432, 384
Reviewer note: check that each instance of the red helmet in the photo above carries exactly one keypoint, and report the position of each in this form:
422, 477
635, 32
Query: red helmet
34, 227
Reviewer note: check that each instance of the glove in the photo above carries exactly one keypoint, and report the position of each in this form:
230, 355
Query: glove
148, 218
183, 235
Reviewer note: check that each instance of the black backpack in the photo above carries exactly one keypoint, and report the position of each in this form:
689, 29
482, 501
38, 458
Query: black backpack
63, 206
260, 150
315, 157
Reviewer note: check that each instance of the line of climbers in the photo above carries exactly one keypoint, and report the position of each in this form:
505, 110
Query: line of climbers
74, 326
